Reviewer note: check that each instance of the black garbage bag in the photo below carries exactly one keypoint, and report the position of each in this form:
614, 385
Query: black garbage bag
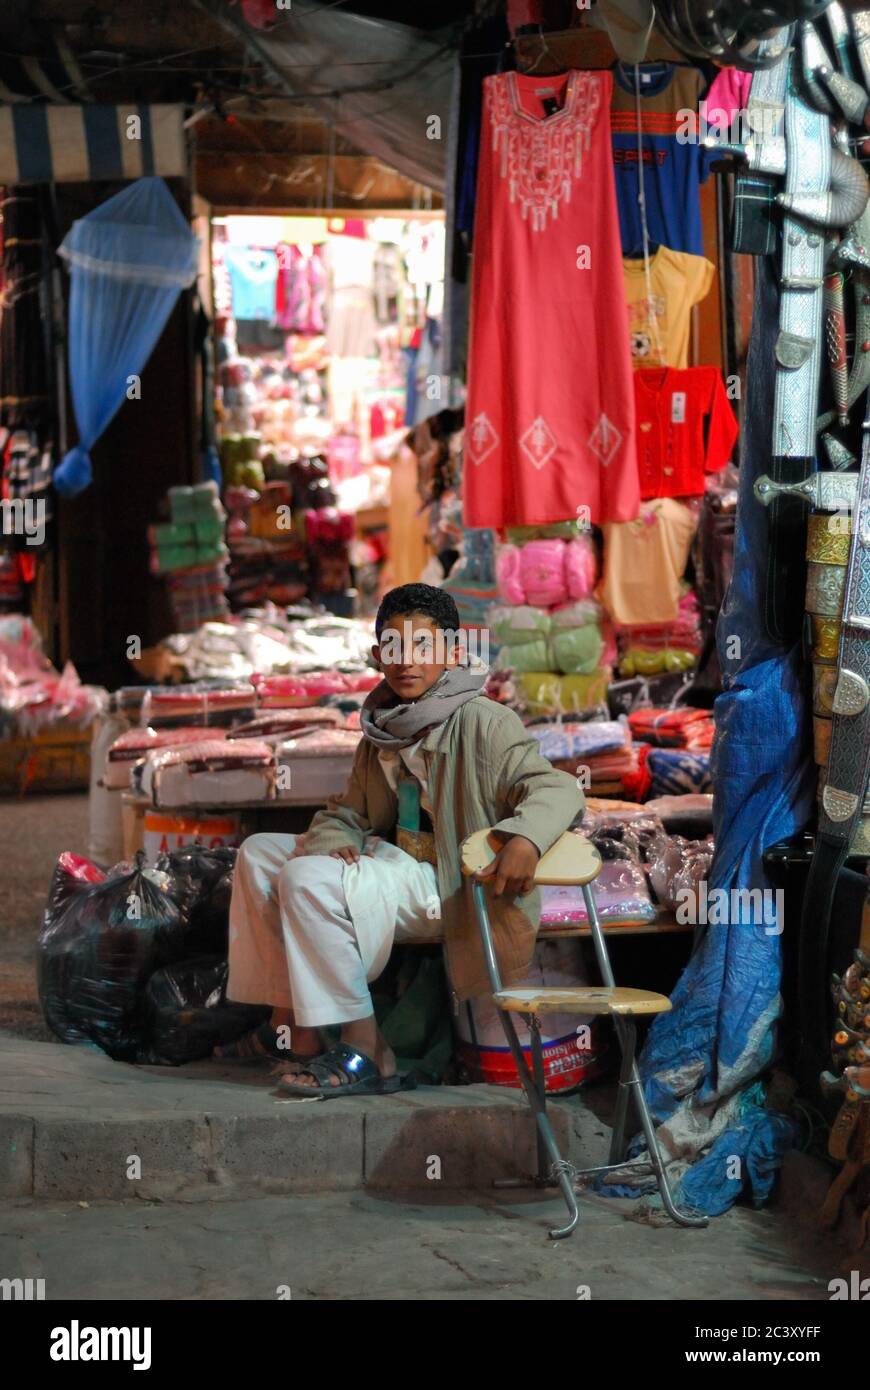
188, 1012
200, 884
97, 949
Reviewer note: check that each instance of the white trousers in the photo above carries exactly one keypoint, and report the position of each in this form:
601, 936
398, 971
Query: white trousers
307, 933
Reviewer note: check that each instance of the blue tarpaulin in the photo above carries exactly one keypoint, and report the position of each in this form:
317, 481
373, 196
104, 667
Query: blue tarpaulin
702, 1062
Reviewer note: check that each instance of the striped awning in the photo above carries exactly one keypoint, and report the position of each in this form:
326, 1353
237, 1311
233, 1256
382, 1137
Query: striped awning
65, 144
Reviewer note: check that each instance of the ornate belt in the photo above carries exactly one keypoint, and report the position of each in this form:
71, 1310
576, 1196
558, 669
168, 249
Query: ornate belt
420, 844
825, 636
828, 539
825, 588
824, 686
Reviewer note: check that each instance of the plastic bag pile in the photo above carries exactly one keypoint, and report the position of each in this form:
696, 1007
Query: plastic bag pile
135, 960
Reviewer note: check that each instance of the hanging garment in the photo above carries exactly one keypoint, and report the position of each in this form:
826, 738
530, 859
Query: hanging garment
300, 289
685, 429
729, 92
673, 170
389, 280
351, 323
644, 562
550, 403
660, 314
252, 278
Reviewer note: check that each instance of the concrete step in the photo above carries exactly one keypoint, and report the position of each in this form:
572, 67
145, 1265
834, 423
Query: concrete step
73, 1123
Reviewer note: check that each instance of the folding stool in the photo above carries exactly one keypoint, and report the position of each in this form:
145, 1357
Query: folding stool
573, 860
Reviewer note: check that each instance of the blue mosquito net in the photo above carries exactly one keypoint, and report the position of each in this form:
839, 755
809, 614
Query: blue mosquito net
129, 259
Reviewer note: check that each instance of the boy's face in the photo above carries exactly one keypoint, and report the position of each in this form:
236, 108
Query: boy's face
413, 653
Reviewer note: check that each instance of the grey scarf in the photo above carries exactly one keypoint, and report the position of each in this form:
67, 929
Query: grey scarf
392, 726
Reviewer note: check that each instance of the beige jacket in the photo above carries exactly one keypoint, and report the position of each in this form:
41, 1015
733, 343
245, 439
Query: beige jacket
484, 771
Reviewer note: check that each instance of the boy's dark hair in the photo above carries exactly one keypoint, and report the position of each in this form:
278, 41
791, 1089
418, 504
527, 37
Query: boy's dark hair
425, 599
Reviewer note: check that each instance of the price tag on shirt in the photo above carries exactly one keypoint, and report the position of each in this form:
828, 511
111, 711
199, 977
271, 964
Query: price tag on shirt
678, 408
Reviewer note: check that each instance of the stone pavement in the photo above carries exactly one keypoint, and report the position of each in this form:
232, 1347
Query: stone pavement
369, 1246
70, 1119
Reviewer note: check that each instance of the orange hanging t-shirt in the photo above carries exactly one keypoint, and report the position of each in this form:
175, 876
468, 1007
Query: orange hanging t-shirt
660, 314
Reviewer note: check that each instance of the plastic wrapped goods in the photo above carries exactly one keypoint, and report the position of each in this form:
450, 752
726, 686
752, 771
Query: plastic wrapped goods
621, 895
188, 1014
99, 944
219, 772
200, 884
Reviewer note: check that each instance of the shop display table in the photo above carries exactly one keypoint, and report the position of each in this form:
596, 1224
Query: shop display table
289, 817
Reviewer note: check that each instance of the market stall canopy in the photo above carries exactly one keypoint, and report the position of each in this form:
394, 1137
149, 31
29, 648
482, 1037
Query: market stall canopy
42, 143
383, 85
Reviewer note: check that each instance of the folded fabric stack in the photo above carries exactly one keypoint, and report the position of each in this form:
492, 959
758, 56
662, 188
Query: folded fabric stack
194, 536
264, 571
650, 651
202, 702
679, 758
568, 640
297, 692
135, 744
327, 643
548, 693
548, 628
283, 723
215, 772
676, 771
600, 751
673, 728
474, 599
198, 596
546, 573
316, 765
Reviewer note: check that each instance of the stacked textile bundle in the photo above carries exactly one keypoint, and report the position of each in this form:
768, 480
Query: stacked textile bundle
134, 745
658, 648
472, 582
679, 758
194, 535
549, 630
203, 702
214, 772
282, 723
289, 692
567, 640
189, 550
674, 728
316, 765
601, 752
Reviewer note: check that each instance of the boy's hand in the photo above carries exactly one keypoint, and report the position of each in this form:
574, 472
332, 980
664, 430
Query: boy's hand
350, 856
513, 869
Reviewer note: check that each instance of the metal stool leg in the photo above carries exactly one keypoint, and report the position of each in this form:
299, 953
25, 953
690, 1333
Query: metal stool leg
627, 1049
627, 1044
546, 1137
540, 1085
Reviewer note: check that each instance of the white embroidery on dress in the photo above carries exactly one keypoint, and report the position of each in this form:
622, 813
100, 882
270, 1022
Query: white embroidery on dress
605, 440
482, 438
539, 443
542, 159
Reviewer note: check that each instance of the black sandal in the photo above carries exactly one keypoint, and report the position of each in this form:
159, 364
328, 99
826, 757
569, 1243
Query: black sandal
260, 1045
358, 1076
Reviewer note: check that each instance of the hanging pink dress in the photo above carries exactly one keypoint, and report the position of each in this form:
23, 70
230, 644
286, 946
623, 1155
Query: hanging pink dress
550, 412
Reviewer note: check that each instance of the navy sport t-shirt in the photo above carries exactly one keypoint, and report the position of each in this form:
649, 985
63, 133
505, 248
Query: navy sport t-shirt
673, 170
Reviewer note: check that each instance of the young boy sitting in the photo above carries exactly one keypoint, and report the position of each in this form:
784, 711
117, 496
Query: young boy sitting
311, 923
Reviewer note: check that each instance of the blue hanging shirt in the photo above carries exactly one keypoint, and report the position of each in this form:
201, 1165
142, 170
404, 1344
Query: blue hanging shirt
253, 276
674, 169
